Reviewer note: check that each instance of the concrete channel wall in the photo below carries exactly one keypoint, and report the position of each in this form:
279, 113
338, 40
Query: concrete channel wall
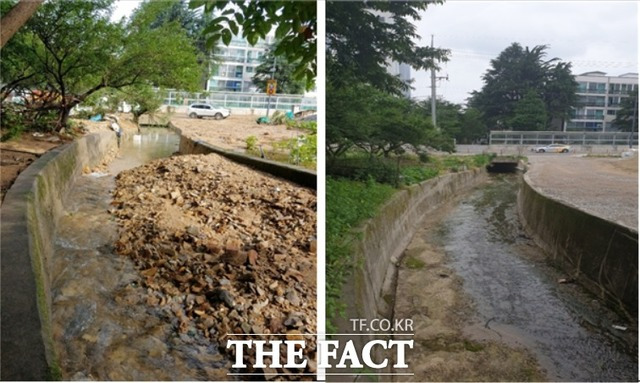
294, 174
384, 238
28, 218
600, 254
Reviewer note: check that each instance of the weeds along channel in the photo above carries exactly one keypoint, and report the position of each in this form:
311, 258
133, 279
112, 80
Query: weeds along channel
354, 199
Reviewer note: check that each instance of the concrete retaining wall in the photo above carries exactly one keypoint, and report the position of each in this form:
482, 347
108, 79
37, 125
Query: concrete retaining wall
384, 238
295, 174
28, 219
601, 255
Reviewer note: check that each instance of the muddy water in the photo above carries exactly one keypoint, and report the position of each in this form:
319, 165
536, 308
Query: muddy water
103, 329
518, 299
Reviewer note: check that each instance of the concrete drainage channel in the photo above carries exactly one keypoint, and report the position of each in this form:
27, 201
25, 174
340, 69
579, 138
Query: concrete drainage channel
29, 218
559, 230
29, 215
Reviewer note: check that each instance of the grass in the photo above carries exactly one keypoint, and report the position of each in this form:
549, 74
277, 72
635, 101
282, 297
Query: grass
415, 172
351, 202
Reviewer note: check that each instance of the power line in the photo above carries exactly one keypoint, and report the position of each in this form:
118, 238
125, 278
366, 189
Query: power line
582, 63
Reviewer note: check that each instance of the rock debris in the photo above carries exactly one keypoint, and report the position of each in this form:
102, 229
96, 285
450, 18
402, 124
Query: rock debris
222, 249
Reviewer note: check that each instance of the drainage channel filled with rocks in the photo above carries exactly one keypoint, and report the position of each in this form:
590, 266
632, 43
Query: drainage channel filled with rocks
156, 265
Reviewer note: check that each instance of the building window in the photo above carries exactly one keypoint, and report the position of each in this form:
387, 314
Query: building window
611, 112
582, 87
596, 87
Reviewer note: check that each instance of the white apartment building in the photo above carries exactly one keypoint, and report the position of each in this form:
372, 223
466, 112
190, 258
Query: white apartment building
599, 98
401, 70
236, 65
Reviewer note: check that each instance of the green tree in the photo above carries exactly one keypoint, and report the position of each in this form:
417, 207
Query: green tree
472, 127
627, 117
74, 51
156, 14
559, 94
283, 74
378, 123
448, 115
360, 42
514, 73
363, 107
294, 23
530, 113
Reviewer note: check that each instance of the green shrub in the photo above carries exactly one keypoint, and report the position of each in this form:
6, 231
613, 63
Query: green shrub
13, 122
251, 142
349, 204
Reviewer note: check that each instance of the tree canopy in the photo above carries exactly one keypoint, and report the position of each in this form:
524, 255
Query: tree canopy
378, 123
70, 50
295, 24
362, 37
627, 117
365, 109
518, 72
283, 74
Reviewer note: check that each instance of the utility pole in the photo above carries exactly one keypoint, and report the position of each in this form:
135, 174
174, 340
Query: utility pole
433, 91
633, 122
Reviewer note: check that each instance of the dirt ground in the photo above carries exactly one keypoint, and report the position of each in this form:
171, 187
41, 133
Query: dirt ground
232, 132
603, 186
18, 153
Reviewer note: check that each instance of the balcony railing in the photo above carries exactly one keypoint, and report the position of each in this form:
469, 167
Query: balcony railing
596, 117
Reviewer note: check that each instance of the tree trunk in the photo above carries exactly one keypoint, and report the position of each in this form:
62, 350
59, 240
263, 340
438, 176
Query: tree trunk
15, 18
63, 117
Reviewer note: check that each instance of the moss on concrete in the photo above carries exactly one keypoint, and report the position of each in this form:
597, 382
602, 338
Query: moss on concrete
413, 263
39, 271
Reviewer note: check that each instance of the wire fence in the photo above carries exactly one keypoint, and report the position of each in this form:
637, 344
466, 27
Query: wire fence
284, 102
569, 138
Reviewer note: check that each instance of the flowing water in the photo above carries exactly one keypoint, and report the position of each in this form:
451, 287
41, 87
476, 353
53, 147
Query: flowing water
518, 298
103, 328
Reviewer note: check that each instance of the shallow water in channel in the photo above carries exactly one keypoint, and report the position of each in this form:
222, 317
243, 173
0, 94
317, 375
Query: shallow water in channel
103, 328
517, 295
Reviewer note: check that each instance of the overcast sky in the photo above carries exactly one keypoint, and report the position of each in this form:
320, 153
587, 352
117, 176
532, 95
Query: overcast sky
124, 8
593, 35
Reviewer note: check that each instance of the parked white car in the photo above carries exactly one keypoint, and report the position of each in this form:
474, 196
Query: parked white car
200, 110
553, 148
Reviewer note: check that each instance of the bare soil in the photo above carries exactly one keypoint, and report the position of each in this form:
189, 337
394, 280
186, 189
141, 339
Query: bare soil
18, 153
233, 131
603, 186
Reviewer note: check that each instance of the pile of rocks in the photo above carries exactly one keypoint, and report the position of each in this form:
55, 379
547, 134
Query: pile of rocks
225, 249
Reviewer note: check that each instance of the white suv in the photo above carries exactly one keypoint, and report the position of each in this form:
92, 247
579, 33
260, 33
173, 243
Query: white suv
207, 110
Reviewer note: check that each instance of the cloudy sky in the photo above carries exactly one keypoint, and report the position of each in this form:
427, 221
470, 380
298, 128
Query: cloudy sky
593, 35
124, 8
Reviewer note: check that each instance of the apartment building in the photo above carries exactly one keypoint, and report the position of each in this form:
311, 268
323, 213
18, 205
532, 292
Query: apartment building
599, 99
400, 70
236, 65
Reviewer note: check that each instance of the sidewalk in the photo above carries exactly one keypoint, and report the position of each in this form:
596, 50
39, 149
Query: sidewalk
606, 187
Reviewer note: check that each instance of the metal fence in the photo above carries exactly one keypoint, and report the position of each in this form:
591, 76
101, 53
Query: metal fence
569, 138
285, 102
